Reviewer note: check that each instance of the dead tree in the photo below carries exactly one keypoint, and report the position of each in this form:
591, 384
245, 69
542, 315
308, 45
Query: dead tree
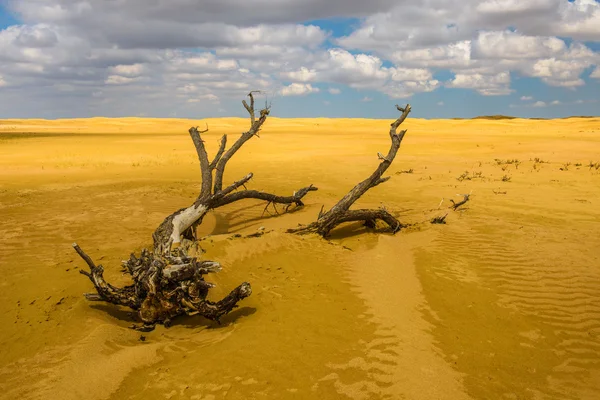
341, 212
166, 281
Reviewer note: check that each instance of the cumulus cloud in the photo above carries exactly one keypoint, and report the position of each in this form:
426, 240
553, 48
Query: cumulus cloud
507, 45
301, 75
298, 89
129, 54
487, 85
526, 98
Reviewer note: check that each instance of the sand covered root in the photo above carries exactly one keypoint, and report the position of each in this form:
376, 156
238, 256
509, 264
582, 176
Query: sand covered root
163, 288
341, 212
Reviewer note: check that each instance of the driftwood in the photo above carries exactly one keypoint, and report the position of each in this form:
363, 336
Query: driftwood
455, 205
341, 212
166, 281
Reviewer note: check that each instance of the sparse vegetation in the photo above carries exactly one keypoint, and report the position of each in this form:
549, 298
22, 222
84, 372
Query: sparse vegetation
467, 176
565, 166
506, 178
516, 162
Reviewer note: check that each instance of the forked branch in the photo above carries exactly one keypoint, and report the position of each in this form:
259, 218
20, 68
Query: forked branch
170, 233
340, 213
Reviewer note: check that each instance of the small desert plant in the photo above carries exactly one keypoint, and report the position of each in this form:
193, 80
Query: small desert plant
505, 163
565, 166
506, 178
595, 165
464, 176
439, 220
407, 171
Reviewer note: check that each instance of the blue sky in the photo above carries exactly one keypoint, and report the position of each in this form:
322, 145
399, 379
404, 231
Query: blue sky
340, 58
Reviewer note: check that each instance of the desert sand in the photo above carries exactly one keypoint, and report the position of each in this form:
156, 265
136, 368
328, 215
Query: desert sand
502, 302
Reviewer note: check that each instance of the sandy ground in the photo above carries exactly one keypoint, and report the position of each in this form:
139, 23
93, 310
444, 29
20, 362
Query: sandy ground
503, 302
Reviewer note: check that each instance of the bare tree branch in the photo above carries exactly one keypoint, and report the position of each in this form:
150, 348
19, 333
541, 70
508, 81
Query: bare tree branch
214, 162
254, 128
296, 198
339, 212
203, 158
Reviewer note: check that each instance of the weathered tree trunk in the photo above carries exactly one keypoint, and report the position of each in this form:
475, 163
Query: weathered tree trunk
170, 233
341, 212
166, 282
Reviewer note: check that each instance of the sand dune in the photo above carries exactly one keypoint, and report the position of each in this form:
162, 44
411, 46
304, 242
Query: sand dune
501, 302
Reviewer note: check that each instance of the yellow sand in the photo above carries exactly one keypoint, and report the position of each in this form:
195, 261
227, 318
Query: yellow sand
503, 302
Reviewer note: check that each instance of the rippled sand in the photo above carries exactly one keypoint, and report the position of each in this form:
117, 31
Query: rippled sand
503, 302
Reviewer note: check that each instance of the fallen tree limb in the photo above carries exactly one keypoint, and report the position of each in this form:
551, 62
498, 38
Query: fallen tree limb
340, 212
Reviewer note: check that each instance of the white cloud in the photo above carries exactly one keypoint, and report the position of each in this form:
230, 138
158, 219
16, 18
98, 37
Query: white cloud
334, 90
440, 103
526, 98
508, 45
119, 80
130, 71
366, 99
539, 104
487, 85
596, 73
298, 89
301, 75
209, 97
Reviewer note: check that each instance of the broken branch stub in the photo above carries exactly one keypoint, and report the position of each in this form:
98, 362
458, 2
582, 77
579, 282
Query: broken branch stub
166, 282
341, 212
